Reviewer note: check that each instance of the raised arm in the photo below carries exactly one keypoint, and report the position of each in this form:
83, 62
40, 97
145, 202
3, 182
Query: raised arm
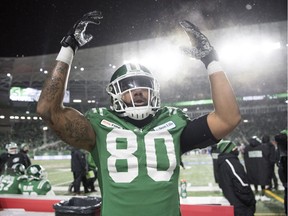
68, 123
226, 115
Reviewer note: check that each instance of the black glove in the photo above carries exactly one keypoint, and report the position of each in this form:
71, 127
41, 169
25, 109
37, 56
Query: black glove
76, 37
201, 47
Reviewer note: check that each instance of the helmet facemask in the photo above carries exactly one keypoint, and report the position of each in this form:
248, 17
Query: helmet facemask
12, 148
128, 84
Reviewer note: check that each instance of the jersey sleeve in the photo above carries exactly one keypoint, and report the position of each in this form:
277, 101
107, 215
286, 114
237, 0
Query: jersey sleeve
44, 186
197, 134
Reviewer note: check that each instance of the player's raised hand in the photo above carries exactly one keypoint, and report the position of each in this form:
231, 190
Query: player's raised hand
77, 36
200, 46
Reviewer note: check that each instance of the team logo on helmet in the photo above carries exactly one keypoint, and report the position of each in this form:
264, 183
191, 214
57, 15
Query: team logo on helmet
128, 78
36, 171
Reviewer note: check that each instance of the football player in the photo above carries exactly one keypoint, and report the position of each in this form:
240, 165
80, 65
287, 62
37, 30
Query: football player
136, 144
11, 178
11, 156
36, 183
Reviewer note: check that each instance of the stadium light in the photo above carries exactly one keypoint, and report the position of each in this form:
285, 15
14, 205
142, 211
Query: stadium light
165, 59
269, 46
246, 48
77, 100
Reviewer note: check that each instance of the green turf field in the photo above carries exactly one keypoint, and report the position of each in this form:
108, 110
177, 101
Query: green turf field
198, 173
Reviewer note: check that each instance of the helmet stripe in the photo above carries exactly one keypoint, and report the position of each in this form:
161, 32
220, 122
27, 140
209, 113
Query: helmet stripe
132, 67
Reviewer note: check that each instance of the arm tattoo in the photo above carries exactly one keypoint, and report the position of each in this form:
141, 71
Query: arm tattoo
52, 88
56, 83
75, 130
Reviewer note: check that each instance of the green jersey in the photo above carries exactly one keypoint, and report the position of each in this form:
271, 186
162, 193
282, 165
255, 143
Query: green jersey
138, 168
35, 187
9, 183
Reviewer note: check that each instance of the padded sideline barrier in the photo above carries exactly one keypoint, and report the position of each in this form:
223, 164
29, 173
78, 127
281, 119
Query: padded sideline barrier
206, 210
45, 204
36, 204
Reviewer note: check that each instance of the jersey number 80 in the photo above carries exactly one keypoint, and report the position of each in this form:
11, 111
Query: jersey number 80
132, 161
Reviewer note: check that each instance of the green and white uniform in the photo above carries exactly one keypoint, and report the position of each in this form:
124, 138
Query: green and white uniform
35, 187
9, 183
138, 168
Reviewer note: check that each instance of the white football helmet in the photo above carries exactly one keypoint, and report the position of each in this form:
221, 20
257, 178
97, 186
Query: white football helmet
12, 148
130, 77
18, 168
36, 171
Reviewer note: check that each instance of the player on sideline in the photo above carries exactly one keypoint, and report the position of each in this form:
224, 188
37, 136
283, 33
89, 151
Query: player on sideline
136, 144
11, 178
37, 182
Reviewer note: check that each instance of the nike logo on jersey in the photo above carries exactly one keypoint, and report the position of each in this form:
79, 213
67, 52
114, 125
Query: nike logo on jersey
165, 126
110, 124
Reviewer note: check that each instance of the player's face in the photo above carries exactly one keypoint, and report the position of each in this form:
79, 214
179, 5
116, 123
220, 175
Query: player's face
13, 151
139, 96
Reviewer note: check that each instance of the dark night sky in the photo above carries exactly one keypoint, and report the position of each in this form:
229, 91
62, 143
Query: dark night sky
35, 27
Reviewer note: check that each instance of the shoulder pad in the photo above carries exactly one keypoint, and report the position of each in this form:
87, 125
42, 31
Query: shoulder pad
44, 184
99, 111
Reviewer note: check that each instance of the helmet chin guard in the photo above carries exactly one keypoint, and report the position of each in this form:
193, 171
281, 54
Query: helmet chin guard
131, 77
138, 113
